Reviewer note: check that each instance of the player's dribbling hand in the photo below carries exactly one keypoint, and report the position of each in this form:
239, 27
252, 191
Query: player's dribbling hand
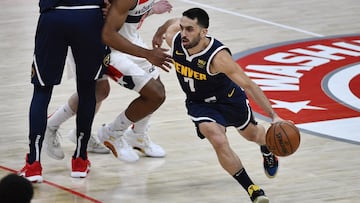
276, 118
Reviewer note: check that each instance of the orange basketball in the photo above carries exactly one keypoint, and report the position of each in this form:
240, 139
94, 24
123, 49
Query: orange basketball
283, 138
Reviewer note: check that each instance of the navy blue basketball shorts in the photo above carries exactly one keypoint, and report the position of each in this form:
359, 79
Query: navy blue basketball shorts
56, 30
237, 114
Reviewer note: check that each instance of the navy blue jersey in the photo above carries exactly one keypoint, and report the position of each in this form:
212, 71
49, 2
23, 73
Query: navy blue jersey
209, 97
193, 73
46, 5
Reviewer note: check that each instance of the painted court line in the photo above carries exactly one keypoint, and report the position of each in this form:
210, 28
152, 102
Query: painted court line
253, 18
58, 187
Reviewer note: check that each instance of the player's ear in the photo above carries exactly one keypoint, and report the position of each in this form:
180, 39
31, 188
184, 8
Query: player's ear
203, 32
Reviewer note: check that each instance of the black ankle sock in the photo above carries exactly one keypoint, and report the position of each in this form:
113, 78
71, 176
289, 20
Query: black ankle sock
242, 177
264, 149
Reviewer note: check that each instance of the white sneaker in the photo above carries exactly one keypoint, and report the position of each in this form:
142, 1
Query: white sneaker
94, 145
143, 143
52, 144
114, 140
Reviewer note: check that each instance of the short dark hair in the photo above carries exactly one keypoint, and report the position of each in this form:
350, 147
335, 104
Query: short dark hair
14, 188
199, 14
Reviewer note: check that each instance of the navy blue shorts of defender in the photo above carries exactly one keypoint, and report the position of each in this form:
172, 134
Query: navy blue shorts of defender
59, 28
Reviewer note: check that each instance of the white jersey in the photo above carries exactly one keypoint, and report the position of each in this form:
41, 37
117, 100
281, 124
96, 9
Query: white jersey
134, 21
127, 70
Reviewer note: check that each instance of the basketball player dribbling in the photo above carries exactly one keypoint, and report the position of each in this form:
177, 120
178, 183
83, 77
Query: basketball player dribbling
215, 89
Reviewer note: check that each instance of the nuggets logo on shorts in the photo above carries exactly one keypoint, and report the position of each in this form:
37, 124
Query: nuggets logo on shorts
106, 60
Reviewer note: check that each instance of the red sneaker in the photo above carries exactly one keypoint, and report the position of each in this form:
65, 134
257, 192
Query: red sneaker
32, 172
80, 167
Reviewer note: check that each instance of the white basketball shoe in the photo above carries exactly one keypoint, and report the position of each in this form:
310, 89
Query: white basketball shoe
143, 143
52, 144
114, 140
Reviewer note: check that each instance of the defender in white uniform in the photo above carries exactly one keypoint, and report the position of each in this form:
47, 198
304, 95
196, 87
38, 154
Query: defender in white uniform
132, 72
124, 67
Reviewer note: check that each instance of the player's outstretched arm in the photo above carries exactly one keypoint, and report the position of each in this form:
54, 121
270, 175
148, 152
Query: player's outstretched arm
224, 63
166, 31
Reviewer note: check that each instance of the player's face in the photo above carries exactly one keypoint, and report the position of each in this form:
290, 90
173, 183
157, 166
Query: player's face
190, 32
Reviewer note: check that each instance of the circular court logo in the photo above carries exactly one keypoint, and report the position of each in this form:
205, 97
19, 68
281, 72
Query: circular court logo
314, 82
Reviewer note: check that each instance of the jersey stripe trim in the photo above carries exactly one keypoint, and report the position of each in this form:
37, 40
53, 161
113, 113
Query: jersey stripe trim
78, 7
37, 72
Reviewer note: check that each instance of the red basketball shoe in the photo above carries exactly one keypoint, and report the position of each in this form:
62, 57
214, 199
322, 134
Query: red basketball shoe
32, 172
80, 167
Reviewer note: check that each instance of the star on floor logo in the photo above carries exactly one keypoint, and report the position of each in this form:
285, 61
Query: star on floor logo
294, 107
313, 82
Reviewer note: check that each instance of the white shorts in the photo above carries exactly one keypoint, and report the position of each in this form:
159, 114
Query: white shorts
130, 71
127, 70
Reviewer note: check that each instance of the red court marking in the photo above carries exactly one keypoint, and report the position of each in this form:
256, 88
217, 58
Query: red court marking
59, 187
310, 83
354, 87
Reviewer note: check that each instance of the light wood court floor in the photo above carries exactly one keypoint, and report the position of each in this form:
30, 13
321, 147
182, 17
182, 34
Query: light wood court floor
322, 170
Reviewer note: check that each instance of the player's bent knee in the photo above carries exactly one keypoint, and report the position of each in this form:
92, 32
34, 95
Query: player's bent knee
102, 94
158, 97
102, 90
217, 141
253, 133
154, 92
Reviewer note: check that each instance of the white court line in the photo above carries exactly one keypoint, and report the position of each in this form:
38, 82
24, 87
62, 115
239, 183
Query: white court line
253, 18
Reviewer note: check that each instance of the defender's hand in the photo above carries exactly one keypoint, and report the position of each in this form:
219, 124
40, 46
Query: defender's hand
160, 58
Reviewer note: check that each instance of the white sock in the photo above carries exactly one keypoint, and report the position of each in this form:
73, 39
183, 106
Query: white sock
142, 126
61, 115
121, 122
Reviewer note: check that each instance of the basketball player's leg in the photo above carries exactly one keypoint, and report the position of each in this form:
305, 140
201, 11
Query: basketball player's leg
140, 76
88, 55
151, 95
256, 133
101, 92
229, 160
64, 113
69, 109
46, 72
215, 133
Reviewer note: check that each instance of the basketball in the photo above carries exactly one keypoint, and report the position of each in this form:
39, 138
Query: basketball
283, 138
